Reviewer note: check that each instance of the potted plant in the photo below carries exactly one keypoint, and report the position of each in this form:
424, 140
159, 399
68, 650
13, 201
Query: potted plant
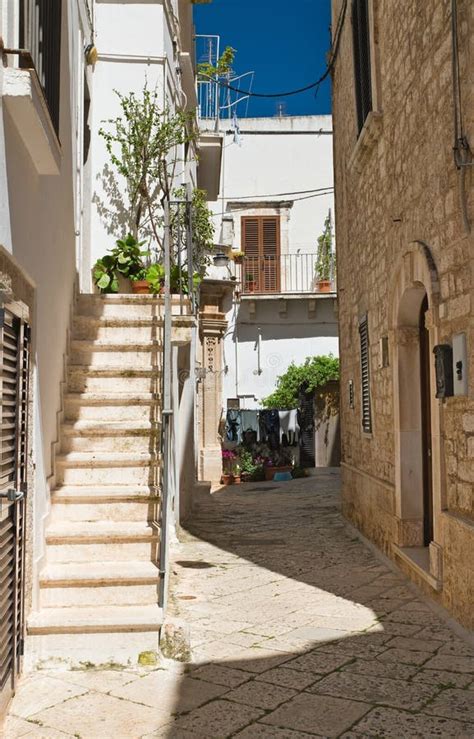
237, 256
228, 457
155, 277
324, 258
278, 461
250, 282
125, 259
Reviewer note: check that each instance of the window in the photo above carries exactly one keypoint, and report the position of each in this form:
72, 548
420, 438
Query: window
365, 375
362, 62
40, 35
261, 246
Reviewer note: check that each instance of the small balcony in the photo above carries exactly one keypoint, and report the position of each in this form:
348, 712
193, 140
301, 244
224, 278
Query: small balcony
287, 274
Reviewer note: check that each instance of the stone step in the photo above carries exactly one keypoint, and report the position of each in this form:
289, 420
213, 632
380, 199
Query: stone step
128, 306
112, 407
99, 583
141, 509
83, 468
105, 494
104, 541
117, 329
95, 620
94, 436
124, 356
85, 379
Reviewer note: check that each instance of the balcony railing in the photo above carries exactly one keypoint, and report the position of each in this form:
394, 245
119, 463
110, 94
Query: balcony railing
285, 274
40, 41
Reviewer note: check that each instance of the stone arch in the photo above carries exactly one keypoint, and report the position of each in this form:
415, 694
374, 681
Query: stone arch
415, 279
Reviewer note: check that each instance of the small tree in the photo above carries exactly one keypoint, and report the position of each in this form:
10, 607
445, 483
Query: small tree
324, 257
314, 373
143, 145
221, 68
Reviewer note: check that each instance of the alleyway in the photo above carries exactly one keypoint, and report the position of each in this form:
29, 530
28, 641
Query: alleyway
297, 631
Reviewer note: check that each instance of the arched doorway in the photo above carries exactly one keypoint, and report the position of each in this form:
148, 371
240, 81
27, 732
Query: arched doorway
418, 495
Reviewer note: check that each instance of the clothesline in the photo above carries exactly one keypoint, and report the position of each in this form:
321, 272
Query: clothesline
275, 427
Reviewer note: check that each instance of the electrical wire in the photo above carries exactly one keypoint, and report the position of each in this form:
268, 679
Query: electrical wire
294, 200
277, 194
312, 85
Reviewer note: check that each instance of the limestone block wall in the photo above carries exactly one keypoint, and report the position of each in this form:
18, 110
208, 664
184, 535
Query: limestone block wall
400, 226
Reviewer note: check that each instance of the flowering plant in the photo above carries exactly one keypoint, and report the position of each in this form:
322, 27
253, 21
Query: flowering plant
228, 457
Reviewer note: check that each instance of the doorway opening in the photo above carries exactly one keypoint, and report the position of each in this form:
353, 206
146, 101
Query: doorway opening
426, 437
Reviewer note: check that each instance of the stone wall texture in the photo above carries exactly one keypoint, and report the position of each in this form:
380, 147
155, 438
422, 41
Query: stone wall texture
397, 185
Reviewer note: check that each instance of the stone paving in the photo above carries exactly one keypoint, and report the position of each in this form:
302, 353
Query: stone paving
297, 630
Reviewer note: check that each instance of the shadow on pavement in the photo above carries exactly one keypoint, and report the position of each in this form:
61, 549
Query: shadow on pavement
298, 630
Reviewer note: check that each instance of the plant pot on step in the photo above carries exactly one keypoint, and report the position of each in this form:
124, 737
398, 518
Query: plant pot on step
140, 287
227, 479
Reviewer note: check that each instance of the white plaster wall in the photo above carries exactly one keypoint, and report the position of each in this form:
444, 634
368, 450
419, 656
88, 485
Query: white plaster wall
135, 46
280, 155
283, 340
38, 223
277, 156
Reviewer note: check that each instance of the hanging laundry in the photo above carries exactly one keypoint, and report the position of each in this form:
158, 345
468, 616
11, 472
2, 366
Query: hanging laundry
289, 427
270, 428
233, 426
250, 427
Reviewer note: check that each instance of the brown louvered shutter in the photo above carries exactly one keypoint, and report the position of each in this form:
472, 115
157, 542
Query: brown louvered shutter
271, 254
261, 244
365, 375
14, 362
362, 68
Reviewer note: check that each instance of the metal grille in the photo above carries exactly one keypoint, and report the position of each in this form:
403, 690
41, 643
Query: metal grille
14, 363
362, 69
40, 34
365, 375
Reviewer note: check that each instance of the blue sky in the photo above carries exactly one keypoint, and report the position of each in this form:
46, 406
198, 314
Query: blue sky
285, 43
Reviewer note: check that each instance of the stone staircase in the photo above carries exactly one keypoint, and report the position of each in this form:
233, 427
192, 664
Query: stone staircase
98, 591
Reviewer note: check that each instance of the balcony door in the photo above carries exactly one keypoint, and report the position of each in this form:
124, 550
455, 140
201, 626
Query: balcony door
261, 246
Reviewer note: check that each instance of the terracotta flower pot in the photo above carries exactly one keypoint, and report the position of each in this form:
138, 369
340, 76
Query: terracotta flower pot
270, 471
323, 286
140, 287
227, 479
237, 479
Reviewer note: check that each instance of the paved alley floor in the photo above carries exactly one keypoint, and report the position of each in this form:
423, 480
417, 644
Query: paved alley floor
297, 630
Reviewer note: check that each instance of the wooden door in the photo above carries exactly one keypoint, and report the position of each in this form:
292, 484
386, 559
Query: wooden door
425, 388
14, 362
261, 245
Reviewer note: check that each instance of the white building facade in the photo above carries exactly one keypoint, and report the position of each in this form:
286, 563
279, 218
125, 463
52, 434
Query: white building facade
76, 469
276, 192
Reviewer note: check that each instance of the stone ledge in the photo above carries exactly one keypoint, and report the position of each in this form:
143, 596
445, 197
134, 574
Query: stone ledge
418, 560
367, 138
24, 100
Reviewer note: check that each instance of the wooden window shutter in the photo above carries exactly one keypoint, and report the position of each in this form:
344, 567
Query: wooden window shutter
14, 364
362, 63
261, 244
365, 375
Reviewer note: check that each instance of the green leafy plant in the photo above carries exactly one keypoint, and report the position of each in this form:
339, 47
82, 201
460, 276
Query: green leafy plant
142, 144
155, 274
313, 373
202, 226
126, 258
324, 258
104, 274
223, 67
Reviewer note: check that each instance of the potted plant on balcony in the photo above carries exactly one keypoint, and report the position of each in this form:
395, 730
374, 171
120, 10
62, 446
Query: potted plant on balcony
250, 282
237, 256
324, 258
